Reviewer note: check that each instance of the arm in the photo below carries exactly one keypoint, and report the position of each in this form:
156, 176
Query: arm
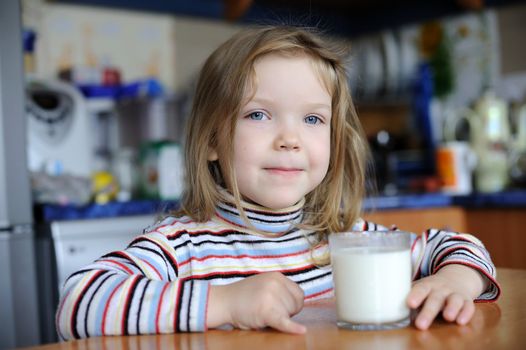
450, 271
454, 269
135, 291
451, 290
436, 249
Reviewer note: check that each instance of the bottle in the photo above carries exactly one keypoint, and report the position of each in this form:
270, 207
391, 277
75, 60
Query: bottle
149, 168
125, 170
171, 172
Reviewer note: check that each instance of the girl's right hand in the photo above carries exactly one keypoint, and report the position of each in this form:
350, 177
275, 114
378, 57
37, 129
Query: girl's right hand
264, 300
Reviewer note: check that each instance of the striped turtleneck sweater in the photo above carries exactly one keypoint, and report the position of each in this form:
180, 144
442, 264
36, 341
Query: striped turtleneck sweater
160, 282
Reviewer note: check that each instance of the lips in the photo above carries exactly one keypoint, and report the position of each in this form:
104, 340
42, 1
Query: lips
283, 170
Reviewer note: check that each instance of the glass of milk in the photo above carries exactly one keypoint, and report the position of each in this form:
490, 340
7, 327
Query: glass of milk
372, 278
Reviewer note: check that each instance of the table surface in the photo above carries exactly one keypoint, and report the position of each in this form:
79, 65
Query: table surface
500, 325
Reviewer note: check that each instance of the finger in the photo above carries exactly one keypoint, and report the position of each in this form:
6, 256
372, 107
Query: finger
295, 295
284, 324
285, 292
418, 294
432, 306
454, 304
298, 296
287, 298
467, 312
289, 303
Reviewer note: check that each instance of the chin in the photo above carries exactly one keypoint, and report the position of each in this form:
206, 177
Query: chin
274, 198
282, 203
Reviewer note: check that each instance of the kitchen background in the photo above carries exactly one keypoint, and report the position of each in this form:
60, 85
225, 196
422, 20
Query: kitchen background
440, 89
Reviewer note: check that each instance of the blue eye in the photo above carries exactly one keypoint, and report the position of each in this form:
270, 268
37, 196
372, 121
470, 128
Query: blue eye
312, 119
257, 116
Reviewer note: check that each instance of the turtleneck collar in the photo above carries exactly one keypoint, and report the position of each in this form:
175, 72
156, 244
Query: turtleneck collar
264, 219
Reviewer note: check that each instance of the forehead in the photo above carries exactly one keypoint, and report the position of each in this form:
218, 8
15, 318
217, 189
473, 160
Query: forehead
275, 69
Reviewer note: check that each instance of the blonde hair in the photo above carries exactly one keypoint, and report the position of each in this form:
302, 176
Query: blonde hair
227, 74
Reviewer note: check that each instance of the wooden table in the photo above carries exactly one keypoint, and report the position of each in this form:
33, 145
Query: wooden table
500, 325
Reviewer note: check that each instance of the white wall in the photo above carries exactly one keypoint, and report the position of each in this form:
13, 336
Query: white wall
139, 43
195, 40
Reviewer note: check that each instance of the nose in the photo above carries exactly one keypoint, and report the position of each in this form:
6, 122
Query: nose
287, 139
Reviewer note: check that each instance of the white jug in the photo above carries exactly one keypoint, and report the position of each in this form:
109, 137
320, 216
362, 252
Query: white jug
490, 139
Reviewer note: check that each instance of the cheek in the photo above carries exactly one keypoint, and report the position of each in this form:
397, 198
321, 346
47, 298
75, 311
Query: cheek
248, 143
324, 160
322, 152
319, 164
244, 154
240, 137
241, 150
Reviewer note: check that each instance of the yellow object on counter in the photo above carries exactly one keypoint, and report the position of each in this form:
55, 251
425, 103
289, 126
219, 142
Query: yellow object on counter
105, 187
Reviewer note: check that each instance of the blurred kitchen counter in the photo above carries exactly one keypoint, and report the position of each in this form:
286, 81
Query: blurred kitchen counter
498, 219
45, 213
427, 201
506, 199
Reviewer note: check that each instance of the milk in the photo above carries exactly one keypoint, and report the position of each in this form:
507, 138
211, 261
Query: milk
371, 284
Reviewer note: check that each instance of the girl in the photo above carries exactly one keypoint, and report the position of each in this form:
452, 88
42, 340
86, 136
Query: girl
275, 161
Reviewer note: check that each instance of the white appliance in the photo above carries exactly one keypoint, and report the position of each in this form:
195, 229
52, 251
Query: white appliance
18, 286
59, 129
63, 247
78, 243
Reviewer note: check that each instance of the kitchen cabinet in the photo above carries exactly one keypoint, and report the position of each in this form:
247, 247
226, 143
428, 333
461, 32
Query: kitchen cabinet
502, 230
419, 220
340, 17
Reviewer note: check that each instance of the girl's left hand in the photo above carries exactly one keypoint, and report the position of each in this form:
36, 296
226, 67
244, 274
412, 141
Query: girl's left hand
451, 290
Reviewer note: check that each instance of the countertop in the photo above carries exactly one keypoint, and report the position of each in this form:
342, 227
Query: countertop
494, 326
507, 199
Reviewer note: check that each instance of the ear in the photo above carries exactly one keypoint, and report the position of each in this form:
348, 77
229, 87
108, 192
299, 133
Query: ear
212, 156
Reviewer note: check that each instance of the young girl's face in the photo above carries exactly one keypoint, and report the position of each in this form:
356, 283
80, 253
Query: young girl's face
282, 136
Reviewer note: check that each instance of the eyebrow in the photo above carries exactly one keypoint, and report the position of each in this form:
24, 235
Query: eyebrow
315, 105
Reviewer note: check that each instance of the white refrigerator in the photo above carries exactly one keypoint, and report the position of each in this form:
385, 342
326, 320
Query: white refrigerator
19, 315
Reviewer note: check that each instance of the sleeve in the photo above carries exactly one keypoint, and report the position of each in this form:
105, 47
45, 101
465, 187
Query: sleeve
435, 249
134, 291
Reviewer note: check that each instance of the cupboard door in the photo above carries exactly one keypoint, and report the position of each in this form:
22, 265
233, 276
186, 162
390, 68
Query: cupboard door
419, 220
503, 232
